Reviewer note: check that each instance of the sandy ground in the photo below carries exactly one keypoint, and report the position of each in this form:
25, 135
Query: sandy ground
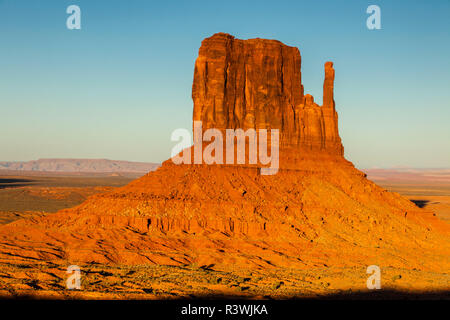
172, 282
47, 280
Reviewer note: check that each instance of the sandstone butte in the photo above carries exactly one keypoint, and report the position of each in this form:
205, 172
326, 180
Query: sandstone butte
317, 215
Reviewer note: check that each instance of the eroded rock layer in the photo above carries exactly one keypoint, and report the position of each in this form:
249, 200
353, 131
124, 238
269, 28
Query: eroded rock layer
319, 213
257, 84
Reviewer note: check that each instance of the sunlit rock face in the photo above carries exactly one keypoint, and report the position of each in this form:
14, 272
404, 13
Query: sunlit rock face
318, 215
257, 83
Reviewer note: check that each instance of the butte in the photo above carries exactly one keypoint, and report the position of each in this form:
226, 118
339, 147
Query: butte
318, 211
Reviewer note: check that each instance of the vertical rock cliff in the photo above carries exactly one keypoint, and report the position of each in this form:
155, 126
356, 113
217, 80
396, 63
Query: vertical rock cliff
257, 84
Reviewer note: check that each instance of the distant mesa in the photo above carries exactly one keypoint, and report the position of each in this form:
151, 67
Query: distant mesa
79, 165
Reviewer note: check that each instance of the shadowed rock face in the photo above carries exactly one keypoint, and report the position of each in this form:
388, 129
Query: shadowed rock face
257, 84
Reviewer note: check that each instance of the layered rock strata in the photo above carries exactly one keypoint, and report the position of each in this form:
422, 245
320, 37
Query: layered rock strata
319, 212
257, 84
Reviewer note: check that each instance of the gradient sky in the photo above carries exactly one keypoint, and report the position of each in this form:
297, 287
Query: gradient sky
118, 87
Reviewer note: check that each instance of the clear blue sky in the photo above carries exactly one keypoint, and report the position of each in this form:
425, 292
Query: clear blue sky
119, 86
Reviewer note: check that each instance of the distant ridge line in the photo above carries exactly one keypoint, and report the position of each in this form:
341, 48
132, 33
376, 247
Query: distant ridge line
79, 165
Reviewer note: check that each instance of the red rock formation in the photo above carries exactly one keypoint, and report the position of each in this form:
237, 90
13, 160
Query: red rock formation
257, 84
321, 212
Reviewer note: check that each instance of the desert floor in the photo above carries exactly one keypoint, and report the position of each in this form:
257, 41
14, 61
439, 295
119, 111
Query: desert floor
35, 194
434, 197
28, 195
